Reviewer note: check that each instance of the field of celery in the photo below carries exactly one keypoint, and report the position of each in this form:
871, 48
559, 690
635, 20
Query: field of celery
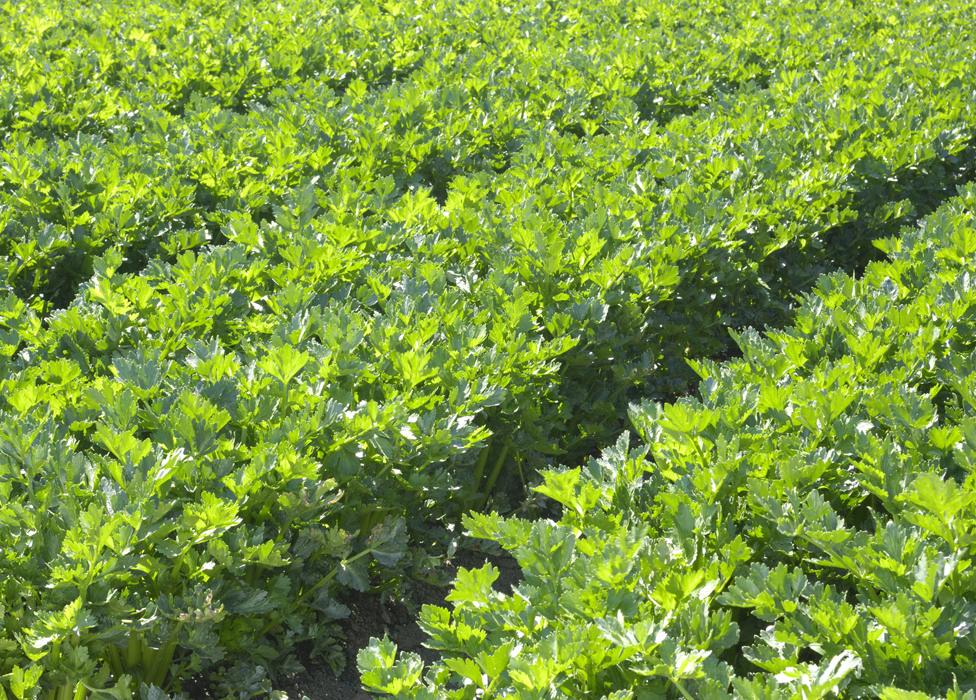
461, 349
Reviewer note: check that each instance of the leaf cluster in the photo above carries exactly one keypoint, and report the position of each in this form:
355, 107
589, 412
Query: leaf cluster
288, 289
802, 529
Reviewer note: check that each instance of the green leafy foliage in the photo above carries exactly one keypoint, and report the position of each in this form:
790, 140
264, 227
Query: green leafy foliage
803, 529
125, 130
286, 289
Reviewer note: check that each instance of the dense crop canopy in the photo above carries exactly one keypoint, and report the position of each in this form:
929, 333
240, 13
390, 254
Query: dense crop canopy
805, 526
286, 288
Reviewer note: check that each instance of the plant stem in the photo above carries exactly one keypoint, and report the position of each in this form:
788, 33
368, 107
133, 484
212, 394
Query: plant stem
496, 469
161, 663
681, 689
479, 467
114, 659
132, 652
